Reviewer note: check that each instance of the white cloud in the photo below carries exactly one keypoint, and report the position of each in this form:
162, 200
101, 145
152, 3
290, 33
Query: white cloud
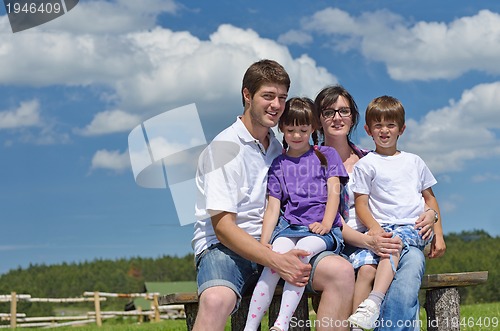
151, 70
418, 51
110, 121
485, 177
111, 17
448, 138
295, 37
26, 115
110, 160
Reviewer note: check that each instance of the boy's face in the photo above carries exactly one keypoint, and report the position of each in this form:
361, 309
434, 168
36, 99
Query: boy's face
267, 104
385, 133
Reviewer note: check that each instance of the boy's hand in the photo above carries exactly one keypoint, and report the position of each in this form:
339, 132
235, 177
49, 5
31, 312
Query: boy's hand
318, 228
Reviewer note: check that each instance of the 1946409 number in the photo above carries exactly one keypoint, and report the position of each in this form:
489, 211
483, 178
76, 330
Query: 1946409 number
33, 8
473, 322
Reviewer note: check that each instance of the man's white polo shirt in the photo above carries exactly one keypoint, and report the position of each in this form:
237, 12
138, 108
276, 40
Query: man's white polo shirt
232, 177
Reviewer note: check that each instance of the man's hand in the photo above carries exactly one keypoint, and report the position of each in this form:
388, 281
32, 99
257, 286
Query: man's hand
425, 224
291, 268
438, 247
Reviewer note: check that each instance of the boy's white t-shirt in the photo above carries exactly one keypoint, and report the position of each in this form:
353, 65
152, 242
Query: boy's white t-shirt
394, 185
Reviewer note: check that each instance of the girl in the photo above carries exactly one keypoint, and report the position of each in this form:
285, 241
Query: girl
304, 186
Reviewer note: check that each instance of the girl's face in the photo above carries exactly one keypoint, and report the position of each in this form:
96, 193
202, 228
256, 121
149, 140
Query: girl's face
297, 137
337, 125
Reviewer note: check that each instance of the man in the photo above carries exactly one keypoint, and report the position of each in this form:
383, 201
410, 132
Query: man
231, 183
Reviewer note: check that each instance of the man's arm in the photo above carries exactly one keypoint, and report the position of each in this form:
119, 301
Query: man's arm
287, 265
438, 246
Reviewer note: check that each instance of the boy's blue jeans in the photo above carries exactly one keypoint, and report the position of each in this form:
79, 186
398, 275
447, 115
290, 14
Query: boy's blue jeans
400, 308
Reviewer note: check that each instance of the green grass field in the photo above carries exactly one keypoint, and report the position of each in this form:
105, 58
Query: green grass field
472, 318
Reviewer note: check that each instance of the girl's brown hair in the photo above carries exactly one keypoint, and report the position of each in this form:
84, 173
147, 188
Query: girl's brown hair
301, 111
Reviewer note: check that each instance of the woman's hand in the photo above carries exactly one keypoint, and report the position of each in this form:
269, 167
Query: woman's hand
318, 228
384, 245
375, 230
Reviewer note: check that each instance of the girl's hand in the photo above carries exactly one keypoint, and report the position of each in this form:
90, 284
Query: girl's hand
269, 246
318, 228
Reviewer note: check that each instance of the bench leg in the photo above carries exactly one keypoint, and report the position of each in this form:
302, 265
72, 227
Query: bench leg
191, 310
443, 309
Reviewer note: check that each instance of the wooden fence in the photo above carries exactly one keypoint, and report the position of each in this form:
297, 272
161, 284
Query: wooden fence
156, 313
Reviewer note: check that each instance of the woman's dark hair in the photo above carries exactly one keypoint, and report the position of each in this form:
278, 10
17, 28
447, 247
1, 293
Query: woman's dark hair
301, 111
328, 96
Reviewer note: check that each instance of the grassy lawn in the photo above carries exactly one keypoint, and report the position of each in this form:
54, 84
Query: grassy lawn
472, 318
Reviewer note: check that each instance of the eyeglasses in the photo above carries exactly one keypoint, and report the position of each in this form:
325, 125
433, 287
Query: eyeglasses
330, 113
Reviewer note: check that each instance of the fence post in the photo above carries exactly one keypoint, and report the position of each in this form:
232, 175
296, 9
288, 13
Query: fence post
156, 307
97, 305
13, 310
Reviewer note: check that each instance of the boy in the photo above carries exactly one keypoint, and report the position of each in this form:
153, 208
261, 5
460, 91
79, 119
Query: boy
391, 190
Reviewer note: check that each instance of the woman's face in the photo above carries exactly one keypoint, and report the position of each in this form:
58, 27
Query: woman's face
337, 125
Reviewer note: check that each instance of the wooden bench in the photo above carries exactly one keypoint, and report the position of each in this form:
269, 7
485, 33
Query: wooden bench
442, 303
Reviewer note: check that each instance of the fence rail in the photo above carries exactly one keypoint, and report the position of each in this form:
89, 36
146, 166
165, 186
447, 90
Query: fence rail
156, 313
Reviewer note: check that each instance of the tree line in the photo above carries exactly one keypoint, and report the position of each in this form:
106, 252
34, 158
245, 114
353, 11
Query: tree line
466, 251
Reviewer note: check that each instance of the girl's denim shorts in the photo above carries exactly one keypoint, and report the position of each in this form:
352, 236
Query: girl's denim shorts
333, 239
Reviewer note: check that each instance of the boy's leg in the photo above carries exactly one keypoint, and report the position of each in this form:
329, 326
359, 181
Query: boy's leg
292, 294
364, 284
385, 273
264, 290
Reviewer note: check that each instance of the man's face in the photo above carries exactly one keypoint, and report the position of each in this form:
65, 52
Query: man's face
267, 105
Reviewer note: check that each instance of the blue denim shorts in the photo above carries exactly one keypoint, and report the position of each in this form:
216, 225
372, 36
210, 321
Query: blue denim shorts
219, 266
333, 239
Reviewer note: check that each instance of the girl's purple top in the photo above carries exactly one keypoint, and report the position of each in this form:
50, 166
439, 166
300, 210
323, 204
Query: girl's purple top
300, 184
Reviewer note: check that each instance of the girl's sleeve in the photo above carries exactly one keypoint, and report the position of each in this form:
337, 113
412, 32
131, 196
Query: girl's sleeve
335, 165
273, 180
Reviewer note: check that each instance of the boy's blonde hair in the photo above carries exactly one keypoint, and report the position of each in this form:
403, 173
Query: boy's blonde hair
385, 108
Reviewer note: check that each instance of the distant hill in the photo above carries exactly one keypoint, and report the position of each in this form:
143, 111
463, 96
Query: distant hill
471, 251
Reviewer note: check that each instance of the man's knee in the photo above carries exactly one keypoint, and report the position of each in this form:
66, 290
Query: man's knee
333, 271
218, 299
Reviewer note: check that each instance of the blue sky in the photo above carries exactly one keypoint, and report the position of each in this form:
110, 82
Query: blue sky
74, 88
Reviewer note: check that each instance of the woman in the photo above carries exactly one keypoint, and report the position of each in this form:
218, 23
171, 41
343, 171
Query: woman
339, 117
